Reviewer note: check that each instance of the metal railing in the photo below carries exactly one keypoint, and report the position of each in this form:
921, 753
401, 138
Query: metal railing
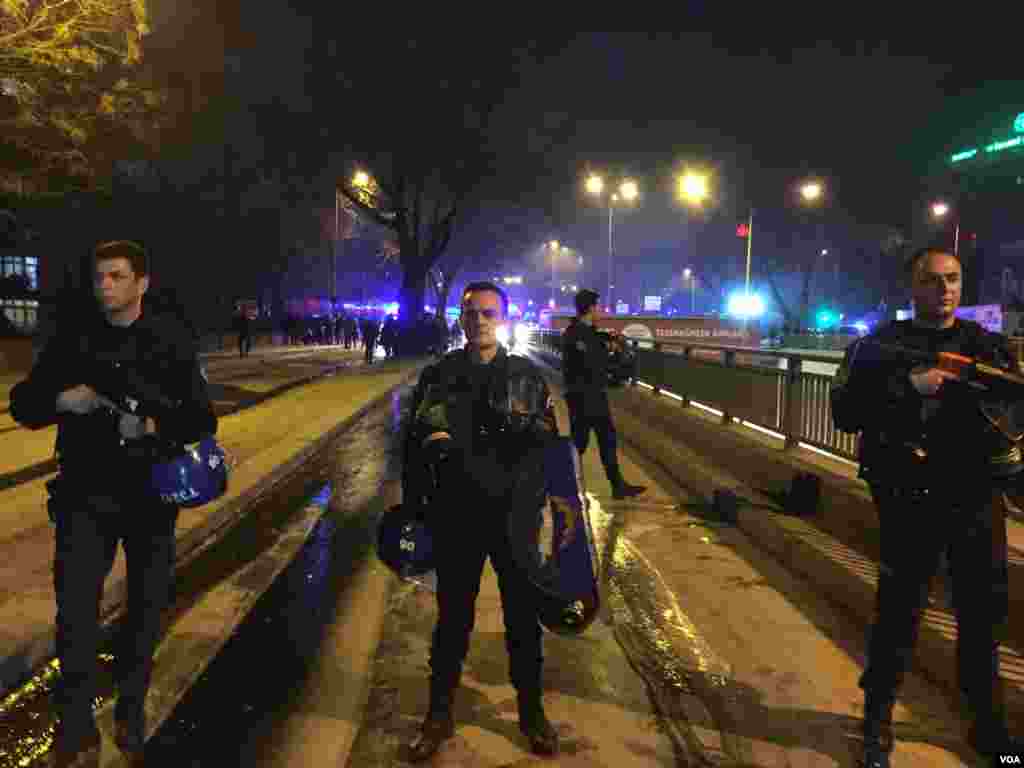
771, 390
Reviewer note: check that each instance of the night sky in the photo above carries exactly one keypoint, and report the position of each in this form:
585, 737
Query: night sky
870, 118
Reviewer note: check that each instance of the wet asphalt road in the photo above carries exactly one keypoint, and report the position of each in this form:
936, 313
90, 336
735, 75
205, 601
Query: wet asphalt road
255, 681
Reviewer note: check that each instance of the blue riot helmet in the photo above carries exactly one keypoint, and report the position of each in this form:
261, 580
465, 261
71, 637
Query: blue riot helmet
404, 544
554, 543
192, 477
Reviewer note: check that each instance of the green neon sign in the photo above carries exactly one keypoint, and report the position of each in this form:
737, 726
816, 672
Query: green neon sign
1018, 123
999, 146
965, 155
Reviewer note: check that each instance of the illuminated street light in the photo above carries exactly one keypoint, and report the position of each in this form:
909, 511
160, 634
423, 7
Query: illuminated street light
939, 211
811, 191
688, 275
693, 188
553, 245
626, 190
361, 180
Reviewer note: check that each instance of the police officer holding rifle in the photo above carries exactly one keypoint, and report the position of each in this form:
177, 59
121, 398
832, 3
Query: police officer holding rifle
938, 403
585, 360
126, 390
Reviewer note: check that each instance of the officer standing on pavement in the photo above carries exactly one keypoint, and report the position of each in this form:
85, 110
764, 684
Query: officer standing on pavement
935, 461
101, 494
585, 370
476, 491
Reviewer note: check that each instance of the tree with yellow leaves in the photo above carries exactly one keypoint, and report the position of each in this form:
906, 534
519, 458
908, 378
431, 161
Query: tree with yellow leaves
70, 87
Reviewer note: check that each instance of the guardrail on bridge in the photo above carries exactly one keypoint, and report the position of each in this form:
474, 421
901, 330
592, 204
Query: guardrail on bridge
743, 383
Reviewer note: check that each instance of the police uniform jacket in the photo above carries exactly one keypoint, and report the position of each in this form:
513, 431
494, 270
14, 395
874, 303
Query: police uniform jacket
911, 440
489, 458
584, 358
150, 368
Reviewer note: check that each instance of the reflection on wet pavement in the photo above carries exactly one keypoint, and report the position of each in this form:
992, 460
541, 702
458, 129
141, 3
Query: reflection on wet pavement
255, 679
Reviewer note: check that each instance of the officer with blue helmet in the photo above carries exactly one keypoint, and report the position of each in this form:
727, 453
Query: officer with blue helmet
479, 421
125, 388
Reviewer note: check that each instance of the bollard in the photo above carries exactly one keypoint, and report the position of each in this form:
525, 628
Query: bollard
725, 506
730, 362
804, 497
792, 415
684, 398
657, 350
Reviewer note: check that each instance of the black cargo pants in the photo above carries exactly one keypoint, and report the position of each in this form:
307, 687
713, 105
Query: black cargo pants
462, 547
588, 411
89, 527
914, 530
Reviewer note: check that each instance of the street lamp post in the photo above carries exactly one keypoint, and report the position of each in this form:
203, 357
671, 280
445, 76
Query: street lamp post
611, 250
334, 251
939, 211
688, 275
628, 191
693, 190
811, 192
750, 241
553, 245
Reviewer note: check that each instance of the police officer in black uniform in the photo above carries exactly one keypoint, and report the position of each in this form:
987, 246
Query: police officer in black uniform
935, 452
585, 369
473, 491
110, 427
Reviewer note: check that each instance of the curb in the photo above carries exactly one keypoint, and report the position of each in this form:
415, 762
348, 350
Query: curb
21, 665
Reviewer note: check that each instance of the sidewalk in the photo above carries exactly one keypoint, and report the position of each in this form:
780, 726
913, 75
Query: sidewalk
837, 551
268, 442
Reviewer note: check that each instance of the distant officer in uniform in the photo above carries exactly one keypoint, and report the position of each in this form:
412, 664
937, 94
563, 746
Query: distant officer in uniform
243, 328
101, 495
476, 492
585, 370
935, 462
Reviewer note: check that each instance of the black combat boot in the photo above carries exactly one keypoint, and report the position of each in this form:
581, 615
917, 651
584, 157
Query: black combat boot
535, 725
620, 488
438, 727
877, 729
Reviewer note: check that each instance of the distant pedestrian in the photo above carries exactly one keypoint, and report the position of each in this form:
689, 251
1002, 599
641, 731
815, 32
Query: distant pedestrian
388, 336
351, 332
370, 329
339, 323
244, 331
